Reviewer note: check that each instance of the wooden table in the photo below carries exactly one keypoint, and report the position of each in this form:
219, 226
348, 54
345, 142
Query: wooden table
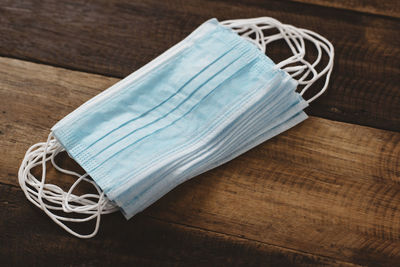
326, 192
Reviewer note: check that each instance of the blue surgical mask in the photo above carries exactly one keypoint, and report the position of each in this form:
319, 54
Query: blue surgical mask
203, 102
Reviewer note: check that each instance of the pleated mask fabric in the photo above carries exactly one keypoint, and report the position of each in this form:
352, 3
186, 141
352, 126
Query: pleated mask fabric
203, 102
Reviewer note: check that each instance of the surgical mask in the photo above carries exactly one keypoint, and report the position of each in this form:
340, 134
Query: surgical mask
203, 102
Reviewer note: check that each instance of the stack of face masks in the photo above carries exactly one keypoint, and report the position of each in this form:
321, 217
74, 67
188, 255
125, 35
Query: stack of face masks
203, 102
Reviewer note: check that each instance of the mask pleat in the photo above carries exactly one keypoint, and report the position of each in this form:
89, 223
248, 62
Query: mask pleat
192, 93
203, 102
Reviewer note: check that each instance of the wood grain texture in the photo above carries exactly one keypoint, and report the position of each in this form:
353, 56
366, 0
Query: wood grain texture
325, 192
116, 37
389, 8
144, 241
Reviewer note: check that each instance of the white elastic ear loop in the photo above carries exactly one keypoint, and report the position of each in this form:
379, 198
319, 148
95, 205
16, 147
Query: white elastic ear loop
294, 37
291, 35
293, 40
37, 191
53, 193
328, 47
67, 207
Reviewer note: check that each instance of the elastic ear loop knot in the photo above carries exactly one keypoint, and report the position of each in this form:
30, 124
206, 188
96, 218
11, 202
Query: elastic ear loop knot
56, 199
294, 37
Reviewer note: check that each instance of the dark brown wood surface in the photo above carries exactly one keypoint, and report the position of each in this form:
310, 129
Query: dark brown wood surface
378, 7
116, 37
326, 192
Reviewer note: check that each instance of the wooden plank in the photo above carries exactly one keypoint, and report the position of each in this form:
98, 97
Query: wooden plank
378, 7
116, 37
325, 188
29, 238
